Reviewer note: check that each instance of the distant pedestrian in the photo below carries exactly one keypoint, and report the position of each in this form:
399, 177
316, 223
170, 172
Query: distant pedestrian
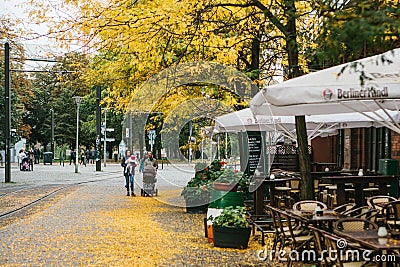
31, 159
92, 155
87, 156
36, 154
83, 157
130, 169
126, 173
72, 157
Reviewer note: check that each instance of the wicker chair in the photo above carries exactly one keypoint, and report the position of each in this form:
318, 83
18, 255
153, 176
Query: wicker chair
308, 205
354, 224
297, 236
331, 242
345, 208
363, 212
391, 214
319, 242
378, 202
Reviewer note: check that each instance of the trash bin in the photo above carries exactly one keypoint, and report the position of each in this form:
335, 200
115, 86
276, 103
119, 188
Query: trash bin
48, 157
389, 166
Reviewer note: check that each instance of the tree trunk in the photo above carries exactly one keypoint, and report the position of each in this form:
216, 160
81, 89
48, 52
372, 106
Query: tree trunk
306, 185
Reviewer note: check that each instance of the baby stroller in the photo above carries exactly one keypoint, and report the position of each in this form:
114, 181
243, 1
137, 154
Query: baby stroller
25, 164
149, 184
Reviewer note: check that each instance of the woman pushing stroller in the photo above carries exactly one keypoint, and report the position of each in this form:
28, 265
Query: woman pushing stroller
25, 162
149, 168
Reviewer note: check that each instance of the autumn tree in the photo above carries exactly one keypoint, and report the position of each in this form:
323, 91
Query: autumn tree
53, 90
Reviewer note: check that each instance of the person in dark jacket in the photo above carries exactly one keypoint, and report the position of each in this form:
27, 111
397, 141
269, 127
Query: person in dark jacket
126, 171
72, 157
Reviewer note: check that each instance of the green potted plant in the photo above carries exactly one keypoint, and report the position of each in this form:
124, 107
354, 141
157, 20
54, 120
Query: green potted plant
231, 228
196, 194
197, 191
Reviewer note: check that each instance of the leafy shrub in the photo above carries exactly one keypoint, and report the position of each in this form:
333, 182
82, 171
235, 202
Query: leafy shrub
231, 217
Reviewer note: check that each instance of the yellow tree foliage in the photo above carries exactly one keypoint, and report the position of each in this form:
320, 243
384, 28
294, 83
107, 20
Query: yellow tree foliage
133, 40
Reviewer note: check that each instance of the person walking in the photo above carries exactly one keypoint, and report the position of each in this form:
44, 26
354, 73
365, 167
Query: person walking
92, 155
72, 157
150, 167
83, 157
126, 174
87, 156
130, 169
36, 153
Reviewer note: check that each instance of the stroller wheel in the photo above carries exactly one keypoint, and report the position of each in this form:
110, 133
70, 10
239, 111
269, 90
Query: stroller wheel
156, 192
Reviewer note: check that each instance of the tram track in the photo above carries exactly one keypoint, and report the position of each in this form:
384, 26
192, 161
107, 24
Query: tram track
7, 191
59, 188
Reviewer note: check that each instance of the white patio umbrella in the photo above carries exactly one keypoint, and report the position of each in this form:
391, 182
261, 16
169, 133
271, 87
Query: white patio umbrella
339, 90
317, 125
244, 120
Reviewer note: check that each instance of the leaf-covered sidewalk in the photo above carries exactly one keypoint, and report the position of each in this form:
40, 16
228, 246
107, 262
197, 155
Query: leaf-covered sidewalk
96, 225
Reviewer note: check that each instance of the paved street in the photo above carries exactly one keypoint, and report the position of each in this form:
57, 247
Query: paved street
95, 224
170, 176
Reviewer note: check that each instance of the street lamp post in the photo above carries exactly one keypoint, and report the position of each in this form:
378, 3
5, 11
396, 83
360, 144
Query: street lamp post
78, 101
190, 140
52, 132
7, 95
105, 137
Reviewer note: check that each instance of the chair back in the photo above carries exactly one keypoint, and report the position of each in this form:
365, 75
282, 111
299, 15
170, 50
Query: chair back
354, 225
309, 205
331, 242
357, 212
363, 212
319, 237
391, 213
274, 217
345, 208
288, 228
378, 202
369, 214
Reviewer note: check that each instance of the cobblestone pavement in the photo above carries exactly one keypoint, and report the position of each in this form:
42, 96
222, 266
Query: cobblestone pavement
95, 224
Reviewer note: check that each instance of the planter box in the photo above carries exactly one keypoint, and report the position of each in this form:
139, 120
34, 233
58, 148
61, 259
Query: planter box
225, 187
227, 237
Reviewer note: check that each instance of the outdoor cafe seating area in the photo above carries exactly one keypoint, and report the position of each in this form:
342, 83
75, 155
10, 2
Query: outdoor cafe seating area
362, 212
